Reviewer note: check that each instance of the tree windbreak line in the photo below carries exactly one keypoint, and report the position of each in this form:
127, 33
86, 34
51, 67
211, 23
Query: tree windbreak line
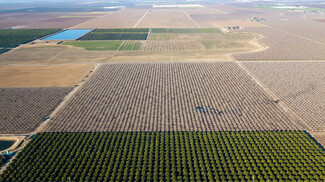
13, 38
166, 156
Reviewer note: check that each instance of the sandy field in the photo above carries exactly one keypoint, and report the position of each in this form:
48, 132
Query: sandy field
125, 18
220, 21
43, 76
166, 18
45, 20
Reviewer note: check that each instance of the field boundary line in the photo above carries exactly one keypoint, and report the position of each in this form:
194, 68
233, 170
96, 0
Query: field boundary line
275, 98
189, 17
293, 34
63, 103
93, 19
140, 19
118, 49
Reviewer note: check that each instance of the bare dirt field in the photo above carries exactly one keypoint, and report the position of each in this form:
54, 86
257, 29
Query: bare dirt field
43, 76
297, 24
298, 84
170, 97
283, 46
32, 20
166, 18
125, 18
23, 109
54, 55
220, 21
8, 20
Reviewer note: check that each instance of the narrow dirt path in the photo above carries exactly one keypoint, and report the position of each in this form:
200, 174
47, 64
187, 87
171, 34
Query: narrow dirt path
140, 19
189, 17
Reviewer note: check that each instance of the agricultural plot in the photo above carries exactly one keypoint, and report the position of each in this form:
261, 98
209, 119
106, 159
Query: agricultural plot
283, 46
65, 75
117, 34
298, 84
4, 50
320, 138
170, 97
130, 46
12, 38
196, 40
23, 109
95, 45
169, 156
125, 18
166, 18
185, 30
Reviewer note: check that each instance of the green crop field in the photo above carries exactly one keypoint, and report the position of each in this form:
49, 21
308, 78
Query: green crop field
12, 38
166, 156
130, 46
117, 34
95, 45
124, 30
185, 30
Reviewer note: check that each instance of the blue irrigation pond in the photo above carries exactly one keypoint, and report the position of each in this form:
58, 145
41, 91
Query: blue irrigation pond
68, 34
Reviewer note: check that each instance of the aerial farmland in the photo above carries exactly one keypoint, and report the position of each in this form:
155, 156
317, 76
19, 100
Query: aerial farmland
162, 91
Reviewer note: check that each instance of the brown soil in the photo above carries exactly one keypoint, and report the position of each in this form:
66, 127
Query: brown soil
166, 18
120, 19
43, 76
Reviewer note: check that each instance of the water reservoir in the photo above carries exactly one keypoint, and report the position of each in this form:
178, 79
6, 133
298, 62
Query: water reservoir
68, 34
5, 144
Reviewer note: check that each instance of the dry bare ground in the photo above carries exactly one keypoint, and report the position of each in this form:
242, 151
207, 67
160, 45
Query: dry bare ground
43, 76
34, 20
299, 84
166, 18
53, 55
125, 18
283, 46
295, 23
170, 97
23, 109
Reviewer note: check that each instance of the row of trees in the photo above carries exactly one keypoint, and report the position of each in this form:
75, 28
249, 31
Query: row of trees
12, 38
23, 109
165, 97
164, 156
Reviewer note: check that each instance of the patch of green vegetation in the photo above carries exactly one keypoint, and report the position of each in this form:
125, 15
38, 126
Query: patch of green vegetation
169, 156
12, 38
130, 46
95, 45
123, 30
185, 30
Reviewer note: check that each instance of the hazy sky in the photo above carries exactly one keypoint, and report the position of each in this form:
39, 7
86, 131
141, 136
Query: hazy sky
31, 1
